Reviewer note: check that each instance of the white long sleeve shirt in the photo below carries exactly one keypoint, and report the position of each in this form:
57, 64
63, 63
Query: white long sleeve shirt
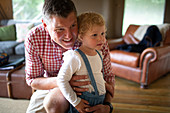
74, 64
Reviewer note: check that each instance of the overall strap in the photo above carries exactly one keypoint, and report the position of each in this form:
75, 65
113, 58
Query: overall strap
100, 56
89, 71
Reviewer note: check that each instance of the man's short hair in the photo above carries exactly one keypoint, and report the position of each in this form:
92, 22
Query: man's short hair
61, 8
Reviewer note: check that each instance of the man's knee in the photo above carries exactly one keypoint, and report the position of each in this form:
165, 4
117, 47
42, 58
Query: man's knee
36, 102
55, 102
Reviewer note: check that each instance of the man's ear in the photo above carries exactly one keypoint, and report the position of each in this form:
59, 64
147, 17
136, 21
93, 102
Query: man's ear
44, 24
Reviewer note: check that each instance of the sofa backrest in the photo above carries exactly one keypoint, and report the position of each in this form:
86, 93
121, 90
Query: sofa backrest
167, 38
21, 28
11, 21
130, 36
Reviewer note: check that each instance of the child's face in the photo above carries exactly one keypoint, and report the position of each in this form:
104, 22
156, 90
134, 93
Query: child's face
94, 38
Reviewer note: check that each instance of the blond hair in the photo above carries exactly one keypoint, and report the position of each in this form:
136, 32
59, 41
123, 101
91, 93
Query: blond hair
87, 20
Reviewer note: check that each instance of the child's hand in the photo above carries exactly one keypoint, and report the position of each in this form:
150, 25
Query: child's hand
82, 106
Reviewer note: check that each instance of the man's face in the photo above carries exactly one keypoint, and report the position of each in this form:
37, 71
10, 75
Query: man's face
63, 30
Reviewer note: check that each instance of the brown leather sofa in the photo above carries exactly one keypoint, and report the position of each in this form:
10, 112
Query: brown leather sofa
145, 67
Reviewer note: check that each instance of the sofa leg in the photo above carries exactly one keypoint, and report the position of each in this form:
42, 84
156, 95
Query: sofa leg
144, 86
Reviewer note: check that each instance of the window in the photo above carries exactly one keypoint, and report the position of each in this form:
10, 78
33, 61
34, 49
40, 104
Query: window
143, 12
27, 9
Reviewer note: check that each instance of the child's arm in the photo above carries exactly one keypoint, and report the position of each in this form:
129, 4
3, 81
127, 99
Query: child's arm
69, 67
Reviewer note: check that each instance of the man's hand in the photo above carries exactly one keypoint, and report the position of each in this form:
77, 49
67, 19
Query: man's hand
82, 106
103, 108
98, 109
75, 83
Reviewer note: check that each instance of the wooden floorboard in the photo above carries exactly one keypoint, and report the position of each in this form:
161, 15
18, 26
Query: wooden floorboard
130, 98
139, 108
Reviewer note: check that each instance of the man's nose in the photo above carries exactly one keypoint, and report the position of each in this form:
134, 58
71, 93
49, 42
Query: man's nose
68, 33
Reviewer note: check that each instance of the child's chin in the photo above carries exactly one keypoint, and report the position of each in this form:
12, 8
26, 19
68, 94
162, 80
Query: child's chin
99, 48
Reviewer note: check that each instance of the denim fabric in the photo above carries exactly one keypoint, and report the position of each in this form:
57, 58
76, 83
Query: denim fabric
91, 98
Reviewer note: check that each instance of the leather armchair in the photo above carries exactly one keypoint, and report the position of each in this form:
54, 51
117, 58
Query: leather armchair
145, 67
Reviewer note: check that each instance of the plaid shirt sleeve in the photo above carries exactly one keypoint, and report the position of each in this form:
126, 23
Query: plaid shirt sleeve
34, 67
109, 76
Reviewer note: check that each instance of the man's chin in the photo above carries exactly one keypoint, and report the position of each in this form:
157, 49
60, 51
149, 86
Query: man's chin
68, 46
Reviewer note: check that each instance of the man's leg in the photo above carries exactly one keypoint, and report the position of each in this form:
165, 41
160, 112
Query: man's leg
55, 102
36, 102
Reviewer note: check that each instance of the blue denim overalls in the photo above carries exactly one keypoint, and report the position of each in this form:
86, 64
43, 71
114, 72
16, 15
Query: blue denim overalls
93, 98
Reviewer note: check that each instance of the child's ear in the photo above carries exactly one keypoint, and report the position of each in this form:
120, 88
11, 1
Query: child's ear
80, 37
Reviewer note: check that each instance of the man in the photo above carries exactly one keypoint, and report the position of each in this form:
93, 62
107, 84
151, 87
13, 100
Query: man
44, 47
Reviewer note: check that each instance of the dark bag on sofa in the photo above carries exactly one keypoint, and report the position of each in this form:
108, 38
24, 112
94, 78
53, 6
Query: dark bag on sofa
152, 38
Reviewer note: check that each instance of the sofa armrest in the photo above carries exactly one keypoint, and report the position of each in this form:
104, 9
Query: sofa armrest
113, 43
153, 54
156, 59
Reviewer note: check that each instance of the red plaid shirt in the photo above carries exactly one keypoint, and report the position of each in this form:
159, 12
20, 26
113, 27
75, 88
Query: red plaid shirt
44, 56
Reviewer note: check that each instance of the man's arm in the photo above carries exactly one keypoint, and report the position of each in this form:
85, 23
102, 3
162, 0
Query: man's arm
44, 83
109, 76
75, 83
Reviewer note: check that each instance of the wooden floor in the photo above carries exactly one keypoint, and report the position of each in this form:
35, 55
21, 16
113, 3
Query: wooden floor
130, 98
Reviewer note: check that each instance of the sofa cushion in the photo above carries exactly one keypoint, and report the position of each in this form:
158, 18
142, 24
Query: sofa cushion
8, 47
125, 58
8, 33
